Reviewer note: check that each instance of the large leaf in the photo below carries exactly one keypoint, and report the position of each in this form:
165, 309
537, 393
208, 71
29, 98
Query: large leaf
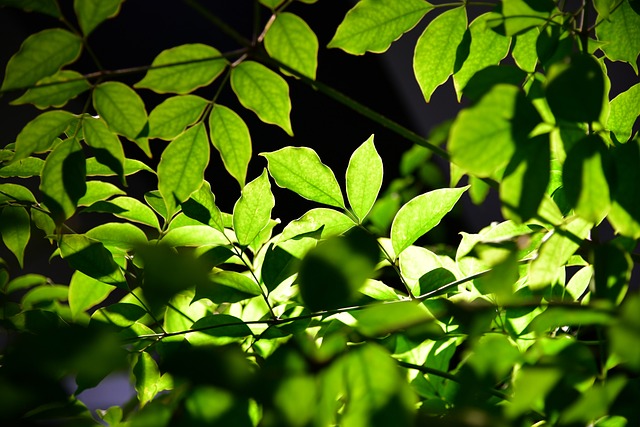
91, 258
264, 92
182, 165
63, 179
127, 208
291, 41
230, 135
252, 211
624, 215
435, 54
105, 145
183, 69
120, 235
38, 135
621, 34
15, 228
91, 13
54, 91
194, 235
625, 109
121, 107
41, 55
421, 214
300, 170
364, 178
174, 115
372, 25
85, 292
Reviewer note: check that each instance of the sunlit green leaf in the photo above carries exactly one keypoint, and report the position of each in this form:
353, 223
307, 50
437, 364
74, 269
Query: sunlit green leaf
272, 4
372, 25
524, 51
364, 178
147, 375
327, 222
621, 31
194, 235
54, 91
529, 385
127, 208
300, 170
131, 166
230, 135
38, 135
174, 115
13, 192
86, 292
41, 55
91, 258
121, 107
25, 282
183, 69
15, 228
91, 13
604, 7
625, 109
44, 295
25, 168
252, 211
119, 314
97, 191
520, 15
201, 206
435, 54
291, 41
182, 165
44, 222
421, 214
264, 92
215, 326
118, 234
227, 287
105, 145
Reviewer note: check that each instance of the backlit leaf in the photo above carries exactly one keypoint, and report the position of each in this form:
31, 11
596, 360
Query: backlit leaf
228, 287
291, 41
252, 211
91, 258
13, 192
147, 376
327, 222
15, 228
524, 51
54, 91
201, 206
85, 292
621, 32
25, 168
372, 25
38, 135
364, 178
194, 235
121, 235
264, 92
121, 107
230, 135
300, 170
612, 267
131, 166
127, 208
91, 13
435, 54
520, 15
99, 190
105, 145
171, 117
625, 109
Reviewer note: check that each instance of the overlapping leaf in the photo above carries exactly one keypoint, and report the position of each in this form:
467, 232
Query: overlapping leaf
252, 211
54, 91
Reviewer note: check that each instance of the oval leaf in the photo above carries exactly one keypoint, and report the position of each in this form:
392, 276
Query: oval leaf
97, 191
127, 208
15, 228
327, 222
228, 287
92, 258
86, 292
291, 41
38, 135
121, 107
621, 32
174, 115
364, 178
230, 135
56, 90
120, 235
625, 109
105, 145
252, 211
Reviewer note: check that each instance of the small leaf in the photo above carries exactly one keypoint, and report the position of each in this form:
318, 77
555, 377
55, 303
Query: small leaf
252, 211
155, 200
63, 180
131, 166
97, 191
264, 92
624, 215
520, 15
421, 214
147, 375
25, 168
364, 178
196, 65
194, 235
171, 117
201, 206
38, 135
48, 7
182, 165
105, 145
41, 55
230, 135
435, 54
14, 192
300, 170
25, 282
15, 228
127, 208
121, 107
215, 326
120, 235
91, 258
625, 109
327, 222
524, 51
372, 25
85, 292
54, 91
271, 4
621, 32
91, 13
291, 41
120, 314
228, 287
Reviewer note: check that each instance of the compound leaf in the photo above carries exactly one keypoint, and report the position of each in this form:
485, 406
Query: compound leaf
252, 211
15, 228
171, 117
54, 91
230, 135
364, 178
121, 107
291, 41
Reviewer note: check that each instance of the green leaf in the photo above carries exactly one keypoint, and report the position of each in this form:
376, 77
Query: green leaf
120, 314
625, 109
91, 13
44, 222
524, 51
131, 166
435, 54
230, 135
575, 90
252, 211
38, 135
121, 107
41, 55
121, 235
147, 375
15, 228
327, 222
155, 200
25, 282
604, 7
421, 214
300, 170
201, 206
584, 179
621, 32
372, 25
612, 267
48, 7
194, 235
271, 4
63, 180
364, 178
25, 168
264, 92
97, 191
624, 215
292, 42
54, 91
105, 145
520, 15
483, 137
215, 326
44, 295
182, 165
171, 117
228, 287
85, 292
487, 48
127, 208
14, 192
91, 258
182, 69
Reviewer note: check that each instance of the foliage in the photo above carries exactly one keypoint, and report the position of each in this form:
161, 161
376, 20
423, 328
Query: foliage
339, 316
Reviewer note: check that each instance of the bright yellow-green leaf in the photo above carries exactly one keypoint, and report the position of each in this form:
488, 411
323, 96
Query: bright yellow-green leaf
327, 222
99, 190
252, 211
91, 13
201, 206
25, 168
38, 135
228, 287
92, 258
264, 92
127, 208
520, 15
182, 165
121, 235
41, 55
194, 235
300, 170
105, 145
372, 25
121, 107
15, 228
435, 54
291, 41
621, 32
364, 178
13, 192
230, 135
524, 51
147, 376
196, 65
86, 292
54, 91
625, 109
174, 115
131, 166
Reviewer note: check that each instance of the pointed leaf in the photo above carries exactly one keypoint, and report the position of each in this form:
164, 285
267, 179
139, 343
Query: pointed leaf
86, 292
291, 41
91, 13
105, 145
520, 15
328, 222
300, 170
264, 92
435, 54
14, 192
63, 180
171, 117
182, 165
120, 235
621, 32
38, 135
194, 235
230, 135
625, 109
121, 107
252, 211
15, 228
196, 65
97, 191
55, 90
155, 200
147, 376
421, 214
364, 178
131, 166
25, 168
201, 206
91, 258
372, 25
228, 287
41, 55
127, 208
524, 51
